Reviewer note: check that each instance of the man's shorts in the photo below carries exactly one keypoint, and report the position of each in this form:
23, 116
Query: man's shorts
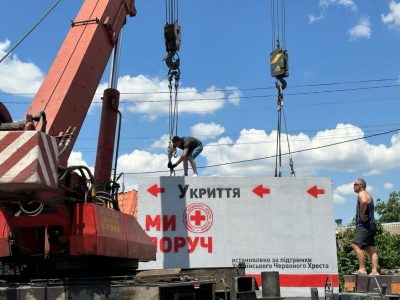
196, 151
364, 237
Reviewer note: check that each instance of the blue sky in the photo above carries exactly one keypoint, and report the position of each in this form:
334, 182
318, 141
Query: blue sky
225, 63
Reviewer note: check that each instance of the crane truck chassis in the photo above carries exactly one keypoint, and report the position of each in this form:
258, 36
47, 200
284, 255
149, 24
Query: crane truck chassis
167, 284
63, 235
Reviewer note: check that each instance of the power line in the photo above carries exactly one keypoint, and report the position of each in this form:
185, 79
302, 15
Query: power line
258, 108
293, 132
268, 88
261, 96
30, 30
235, 89
273, 156
346, 82
325, 137
240, 97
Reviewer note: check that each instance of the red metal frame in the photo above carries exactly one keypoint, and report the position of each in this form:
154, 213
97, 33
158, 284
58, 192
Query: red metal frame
71, 228
105, 145
23, 231
97, 230
70, 85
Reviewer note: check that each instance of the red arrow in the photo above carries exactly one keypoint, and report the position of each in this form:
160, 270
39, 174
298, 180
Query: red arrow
260, 191
314, 191
154, 190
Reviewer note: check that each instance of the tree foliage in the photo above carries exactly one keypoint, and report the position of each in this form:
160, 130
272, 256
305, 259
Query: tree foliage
387, 245
389, 211
345, 255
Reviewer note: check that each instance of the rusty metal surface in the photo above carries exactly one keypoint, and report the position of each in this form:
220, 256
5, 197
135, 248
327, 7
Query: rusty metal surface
151, 285
102, 231
113, 289
105, 144
5, 116
372, 284
79, 293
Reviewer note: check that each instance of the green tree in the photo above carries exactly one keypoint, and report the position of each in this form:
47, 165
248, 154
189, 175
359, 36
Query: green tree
345, 255
389, 211
388, 246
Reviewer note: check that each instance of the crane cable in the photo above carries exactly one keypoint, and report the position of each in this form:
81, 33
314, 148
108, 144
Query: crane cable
278, 23
280, 70
30, 30
172, 37
272, 156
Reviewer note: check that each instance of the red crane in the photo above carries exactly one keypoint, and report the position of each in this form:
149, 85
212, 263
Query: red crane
56, 216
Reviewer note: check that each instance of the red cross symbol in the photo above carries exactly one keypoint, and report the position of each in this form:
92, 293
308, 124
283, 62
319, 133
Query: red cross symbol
197, 218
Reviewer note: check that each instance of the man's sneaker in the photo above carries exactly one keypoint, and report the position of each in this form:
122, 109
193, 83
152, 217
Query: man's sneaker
194, 175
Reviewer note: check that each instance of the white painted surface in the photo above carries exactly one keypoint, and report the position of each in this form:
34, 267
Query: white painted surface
286, 230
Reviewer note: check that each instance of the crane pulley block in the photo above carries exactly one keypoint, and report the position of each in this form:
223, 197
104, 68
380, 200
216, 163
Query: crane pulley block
279, 60
172, 36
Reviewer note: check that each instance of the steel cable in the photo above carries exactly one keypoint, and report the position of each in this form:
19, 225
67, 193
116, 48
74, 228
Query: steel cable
30, 31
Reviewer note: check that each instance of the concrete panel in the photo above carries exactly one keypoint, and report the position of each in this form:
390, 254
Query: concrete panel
271, 224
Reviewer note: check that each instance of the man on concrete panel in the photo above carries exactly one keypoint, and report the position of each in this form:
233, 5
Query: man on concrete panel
191, 147
364, 238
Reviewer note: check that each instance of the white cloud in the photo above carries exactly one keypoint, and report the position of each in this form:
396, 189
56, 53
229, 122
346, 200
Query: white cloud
235, 94
388, 186
161, 143
326, 4
135, 162
141, 162
346, 3
345, 189
207, 130
356, 157
338, 200
150, 96
395, 138
76, 159
16, 76
361, 30
392, 19
246, 147
314, 18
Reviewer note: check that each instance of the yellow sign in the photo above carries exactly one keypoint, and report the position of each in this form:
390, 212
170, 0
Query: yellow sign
276, 58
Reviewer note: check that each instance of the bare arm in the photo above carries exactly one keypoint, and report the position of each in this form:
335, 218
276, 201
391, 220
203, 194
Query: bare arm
184, 154
364, 198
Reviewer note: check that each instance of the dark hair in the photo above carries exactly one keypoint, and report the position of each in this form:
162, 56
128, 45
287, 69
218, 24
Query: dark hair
362, 182
176, 139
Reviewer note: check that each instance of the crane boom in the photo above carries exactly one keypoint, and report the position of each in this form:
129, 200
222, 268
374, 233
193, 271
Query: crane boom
70, 85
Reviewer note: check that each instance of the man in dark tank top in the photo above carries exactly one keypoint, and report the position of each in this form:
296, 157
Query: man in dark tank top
364, 238
191, 147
